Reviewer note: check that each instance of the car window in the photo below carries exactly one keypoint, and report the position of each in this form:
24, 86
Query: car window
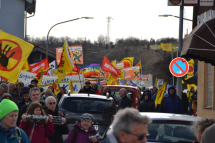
117, 98
87, 105
163, 132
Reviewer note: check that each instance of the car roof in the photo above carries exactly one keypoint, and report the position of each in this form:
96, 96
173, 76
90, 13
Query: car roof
123, 86
167, 116
95, 96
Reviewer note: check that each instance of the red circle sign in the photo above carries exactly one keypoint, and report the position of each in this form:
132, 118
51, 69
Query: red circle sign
179, 67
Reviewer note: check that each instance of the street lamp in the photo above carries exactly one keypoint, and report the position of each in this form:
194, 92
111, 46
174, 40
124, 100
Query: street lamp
167, 15
47, 40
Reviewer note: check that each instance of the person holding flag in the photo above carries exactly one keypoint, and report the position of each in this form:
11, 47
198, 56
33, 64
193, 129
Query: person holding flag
171, 103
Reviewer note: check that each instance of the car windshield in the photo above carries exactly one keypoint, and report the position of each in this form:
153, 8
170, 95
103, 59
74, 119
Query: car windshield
88, 105
163, 132
117, 98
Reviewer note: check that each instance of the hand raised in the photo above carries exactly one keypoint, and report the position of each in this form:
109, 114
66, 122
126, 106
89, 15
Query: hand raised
3, 56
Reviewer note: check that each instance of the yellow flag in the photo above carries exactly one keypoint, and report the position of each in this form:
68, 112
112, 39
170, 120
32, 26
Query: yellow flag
166, 46
189, 86
156, 82
71, 86
190, 72
139, 64
114, 63
160, 94
66, 63
128, 61
26, 66
122, 75
56, 87
14, 52
39, 76
182, 81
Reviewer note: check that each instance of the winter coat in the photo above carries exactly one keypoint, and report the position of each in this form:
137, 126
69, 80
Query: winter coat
82, 136
59, 129
124, 102
110, 136
24, 110
41, 132
171, 103
22, 103
147, 105
13, 139
87, 90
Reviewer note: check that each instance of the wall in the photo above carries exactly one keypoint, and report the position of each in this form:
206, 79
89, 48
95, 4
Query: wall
12, 17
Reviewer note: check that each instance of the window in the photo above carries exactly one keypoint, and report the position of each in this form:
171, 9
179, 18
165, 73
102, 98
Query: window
209, 85
117, 98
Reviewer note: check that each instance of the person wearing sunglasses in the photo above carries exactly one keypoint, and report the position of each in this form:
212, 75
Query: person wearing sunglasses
129, 127
51, 108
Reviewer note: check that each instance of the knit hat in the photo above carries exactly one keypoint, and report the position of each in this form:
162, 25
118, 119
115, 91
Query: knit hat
7, 106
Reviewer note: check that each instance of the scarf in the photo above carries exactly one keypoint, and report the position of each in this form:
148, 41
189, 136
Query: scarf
9, 131
32, 131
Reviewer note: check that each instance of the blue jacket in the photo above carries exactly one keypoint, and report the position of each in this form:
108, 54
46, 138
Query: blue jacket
13, 139
171, 103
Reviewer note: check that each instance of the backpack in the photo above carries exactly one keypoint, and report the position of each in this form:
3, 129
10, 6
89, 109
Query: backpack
17, 133
75, 133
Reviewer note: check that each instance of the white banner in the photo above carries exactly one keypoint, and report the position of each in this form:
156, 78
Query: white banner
26, 78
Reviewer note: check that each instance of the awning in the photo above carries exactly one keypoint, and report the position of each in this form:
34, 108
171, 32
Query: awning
200, 43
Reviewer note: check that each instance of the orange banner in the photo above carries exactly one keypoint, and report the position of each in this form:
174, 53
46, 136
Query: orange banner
76, 53
132, 73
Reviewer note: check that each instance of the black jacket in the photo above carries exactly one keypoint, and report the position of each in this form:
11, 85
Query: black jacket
22, 103
147, 105
87, 90
124, 102
24, 110
59, 129
16, 96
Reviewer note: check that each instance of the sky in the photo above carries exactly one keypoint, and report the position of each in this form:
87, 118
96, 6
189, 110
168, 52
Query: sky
136, 18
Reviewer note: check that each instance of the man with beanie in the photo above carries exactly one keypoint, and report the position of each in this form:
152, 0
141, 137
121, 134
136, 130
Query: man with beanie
87, 89
171, 103
9, 132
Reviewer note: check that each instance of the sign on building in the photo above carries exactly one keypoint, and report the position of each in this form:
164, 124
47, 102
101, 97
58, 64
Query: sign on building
174, 2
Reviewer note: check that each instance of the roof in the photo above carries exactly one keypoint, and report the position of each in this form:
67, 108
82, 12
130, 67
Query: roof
43, 50
95, 96
167, 116
123, 86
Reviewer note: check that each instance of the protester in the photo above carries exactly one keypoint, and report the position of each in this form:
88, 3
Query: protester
25, 97
82, 130
154, 93
189, 96
200, 126
51, 88
62, 92
147, 105
129, 127
194, 105
9, 132
95, 88
38, 130
125, 101
51, 108
34, 82
107, 90
35, 97
11, 87
7, 96
16, 92
208, 135
185, 103
87, 89
46, 94
3, 89
171, 103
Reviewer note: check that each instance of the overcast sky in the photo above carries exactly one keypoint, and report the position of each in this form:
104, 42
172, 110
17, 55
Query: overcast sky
137, 18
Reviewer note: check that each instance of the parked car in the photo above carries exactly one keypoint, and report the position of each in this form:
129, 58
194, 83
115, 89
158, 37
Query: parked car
169, 128
74, 105
133, 93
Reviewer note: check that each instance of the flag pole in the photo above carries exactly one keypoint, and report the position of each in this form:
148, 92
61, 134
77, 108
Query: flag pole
172, 75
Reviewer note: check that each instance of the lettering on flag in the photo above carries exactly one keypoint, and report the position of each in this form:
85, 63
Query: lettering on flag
34, 68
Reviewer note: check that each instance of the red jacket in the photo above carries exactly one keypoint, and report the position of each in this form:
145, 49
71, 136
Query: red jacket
41, 133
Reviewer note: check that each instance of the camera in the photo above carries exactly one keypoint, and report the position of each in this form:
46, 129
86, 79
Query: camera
97, 136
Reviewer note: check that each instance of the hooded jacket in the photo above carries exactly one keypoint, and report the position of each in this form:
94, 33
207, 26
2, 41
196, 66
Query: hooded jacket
82, 136
87, 90
171, 103
147, 105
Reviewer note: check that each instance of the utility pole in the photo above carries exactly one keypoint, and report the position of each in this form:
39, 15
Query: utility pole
108, 32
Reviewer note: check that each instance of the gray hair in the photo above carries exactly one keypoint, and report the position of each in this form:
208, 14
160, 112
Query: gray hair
126, 118
34, 89
4, 85
50, 98
124, 90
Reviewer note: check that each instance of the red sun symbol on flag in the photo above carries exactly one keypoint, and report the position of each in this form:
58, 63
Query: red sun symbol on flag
166, 47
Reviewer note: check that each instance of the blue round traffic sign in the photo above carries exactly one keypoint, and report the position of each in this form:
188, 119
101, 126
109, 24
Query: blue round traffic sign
179, 67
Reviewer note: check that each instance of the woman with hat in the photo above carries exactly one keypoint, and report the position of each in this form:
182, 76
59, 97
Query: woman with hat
9, 132
25, 97
83, 131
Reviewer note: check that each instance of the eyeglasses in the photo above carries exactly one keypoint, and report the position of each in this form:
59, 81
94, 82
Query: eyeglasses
140, 137
50, 103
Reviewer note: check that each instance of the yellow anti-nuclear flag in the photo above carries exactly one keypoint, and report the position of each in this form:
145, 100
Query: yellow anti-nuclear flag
139, 64
56, 87
66, 63
166, 46
26, 66
190, 72
128, 61
122, 76
189, 86
71, 86
39, 76
14, 52
160, 94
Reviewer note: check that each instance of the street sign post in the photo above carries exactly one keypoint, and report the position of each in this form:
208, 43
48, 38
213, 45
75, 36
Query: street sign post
179, 67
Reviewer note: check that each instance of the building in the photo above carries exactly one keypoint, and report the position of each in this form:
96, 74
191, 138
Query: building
205, 53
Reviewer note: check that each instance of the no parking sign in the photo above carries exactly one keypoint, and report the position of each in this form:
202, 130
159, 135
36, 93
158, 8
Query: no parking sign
179, 67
